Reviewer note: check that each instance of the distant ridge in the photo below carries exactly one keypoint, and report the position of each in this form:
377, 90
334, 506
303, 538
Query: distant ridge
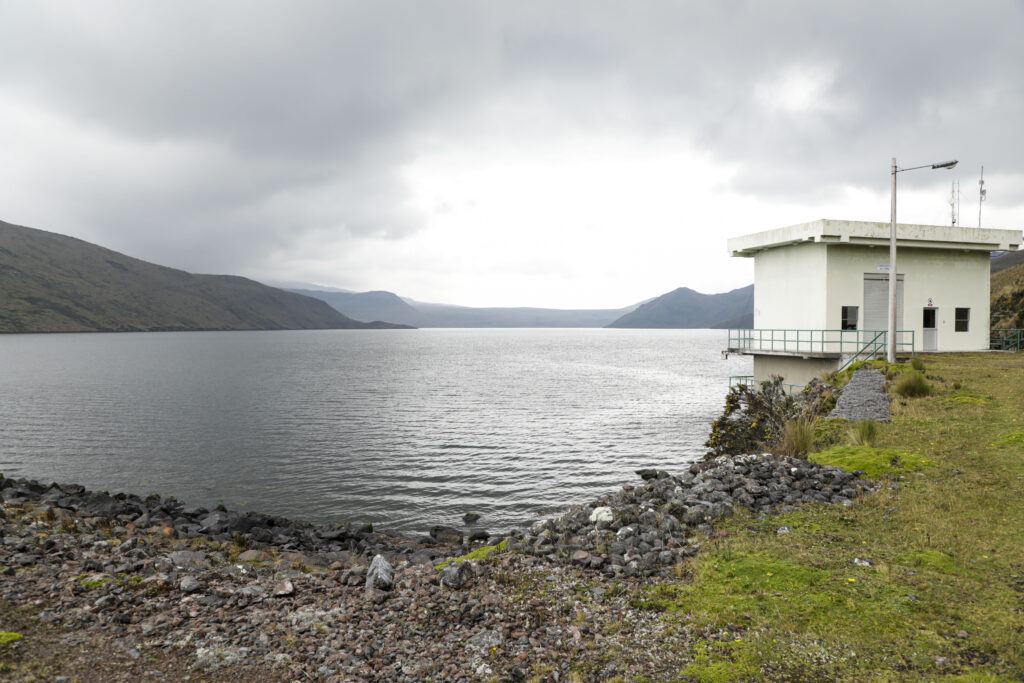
388, 306
55, 283
686, 308
1007, 260
367, 305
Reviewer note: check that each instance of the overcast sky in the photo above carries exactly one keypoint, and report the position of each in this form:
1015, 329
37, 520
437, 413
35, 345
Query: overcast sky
560, 154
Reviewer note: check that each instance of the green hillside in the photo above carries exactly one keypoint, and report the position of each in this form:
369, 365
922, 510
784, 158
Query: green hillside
685, 308
1007, 302
55, 283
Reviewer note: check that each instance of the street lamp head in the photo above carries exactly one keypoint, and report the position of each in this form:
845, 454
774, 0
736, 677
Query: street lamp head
945, 164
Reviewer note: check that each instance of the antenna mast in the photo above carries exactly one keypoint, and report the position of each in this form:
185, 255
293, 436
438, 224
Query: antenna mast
954, 202
981, 193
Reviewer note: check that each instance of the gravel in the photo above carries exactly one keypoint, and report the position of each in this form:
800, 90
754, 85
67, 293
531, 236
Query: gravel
864, 398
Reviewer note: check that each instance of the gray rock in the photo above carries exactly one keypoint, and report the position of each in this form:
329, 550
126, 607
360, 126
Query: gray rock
380, 575
421, 557
186, 559
446, 534
457, 574
484, 641
189, 584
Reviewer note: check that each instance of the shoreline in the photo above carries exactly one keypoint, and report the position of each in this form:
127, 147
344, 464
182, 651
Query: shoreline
150, 575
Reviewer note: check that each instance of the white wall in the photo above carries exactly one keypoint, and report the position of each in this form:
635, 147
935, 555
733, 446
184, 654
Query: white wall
949, 278
792, 370
789, 287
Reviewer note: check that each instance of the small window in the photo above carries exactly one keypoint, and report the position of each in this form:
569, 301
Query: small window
850, 317
963, 318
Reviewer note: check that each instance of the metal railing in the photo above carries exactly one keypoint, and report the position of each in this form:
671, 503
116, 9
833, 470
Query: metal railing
873, 347
1007, 340
796, 341
791, 389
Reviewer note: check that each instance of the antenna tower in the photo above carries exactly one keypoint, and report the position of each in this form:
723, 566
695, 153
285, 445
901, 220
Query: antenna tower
954, 203
981, 193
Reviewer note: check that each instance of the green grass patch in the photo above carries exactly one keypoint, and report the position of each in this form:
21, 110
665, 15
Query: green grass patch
911, 384
6, 638
92, 581
938, 552
933, 560
830, 431
873, 462
958, 401
1012, 439
477, 555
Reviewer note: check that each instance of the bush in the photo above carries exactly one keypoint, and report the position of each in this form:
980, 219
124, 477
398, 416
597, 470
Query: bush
864, 433
754, 419
917, 364
911, 385
797, 438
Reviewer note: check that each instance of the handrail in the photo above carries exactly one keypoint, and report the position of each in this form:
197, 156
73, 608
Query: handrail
787, 340
736, 380
872, 348
1007, 340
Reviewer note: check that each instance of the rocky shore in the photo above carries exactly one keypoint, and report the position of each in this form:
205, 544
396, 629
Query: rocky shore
647, 529
171, 589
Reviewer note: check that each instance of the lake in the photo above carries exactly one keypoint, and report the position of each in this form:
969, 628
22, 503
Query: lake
402, 428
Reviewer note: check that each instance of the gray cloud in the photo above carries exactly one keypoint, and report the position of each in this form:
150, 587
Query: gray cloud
257, 124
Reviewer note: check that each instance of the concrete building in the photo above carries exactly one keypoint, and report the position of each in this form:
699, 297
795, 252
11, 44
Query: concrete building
821, 294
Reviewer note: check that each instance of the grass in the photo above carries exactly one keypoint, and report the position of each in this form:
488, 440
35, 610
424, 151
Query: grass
797, 438
911, 384
6, 638
864, 433
477, 555
875, 463
944, 543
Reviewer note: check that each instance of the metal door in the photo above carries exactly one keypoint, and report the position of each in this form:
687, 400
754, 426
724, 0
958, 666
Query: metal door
930, 338
876, 301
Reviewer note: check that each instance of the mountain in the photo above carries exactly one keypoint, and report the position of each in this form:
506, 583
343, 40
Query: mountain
368, 305
388, 306
685, 308
1007, 297
443, 315
55, 283
1006, 260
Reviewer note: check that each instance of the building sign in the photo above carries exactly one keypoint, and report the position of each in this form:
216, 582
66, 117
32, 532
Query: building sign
882, 267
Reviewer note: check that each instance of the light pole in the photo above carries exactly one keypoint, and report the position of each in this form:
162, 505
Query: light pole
891, 336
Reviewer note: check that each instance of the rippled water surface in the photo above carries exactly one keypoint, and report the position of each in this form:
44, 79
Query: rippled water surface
402, 428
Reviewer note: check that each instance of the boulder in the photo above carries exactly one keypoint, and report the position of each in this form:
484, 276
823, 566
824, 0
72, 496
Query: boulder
446, 534
380, 575
457, 574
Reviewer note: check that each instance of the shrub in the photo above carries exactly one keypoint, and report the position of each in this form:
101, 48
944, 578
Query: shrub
917, 364
754, 418
864, 433
819, 397
797, 438
912, 384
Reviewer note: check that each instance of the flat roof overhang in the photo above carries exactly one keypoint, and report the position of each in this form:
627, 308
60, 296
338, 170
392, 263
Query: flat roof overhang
788, 354
828, 231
